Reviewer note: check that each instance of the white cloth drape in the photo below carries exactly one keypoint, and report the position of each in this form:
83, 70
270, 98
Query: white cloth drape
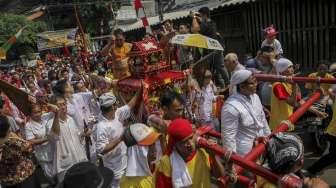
137, 162
180, 175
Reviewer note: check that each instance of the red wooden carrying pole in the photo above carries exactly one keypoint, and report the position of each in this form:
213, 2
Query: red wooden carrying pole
255, 153
279, 78
259, 170
250, 165
207, 130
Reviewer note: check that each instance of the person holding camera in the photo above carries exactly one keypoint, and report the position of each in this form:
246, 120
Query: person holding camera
202, 24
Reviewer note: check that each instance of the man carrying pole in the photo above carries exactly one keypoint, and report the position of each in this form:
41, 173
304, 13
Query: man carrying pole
259, 149
284, 156
286, 95
184, 165
243, 118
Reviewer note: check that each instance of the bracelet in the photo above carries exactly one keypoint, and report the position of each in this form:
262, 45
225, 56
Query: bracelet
227, 156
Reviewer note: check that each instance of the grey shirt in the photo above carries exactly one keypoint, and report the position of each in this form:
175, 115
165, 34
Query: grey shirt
276, 46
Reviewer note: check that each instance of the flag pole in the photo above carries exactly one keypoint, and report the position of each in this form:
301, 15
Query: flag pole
83, 38
142, 15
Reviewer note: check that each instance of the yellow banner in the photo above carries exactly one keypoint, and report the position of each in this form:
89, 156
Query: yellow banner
54, 39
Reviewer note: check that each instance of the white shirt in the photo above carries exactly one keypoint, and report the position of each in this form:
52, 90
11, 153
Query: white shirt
208, 96
13, 125
82, 106
243, 120
107, 132
276, 46
68, 148
237, 68
16, 117
43, 152
79, 109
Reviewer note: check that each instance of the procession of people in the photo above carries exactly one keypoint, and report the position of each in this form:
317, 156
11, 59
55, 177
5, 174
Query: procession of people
68, 122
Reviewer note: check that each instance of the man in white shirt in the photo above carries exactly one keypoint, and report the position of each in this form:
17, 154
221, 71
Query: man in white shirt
80, 107
109, 134
243, 118
66, 139
232, 65
77, 103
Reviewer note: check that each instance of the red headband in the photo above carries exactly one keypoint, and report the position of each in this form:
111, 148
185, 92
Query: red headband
178, 130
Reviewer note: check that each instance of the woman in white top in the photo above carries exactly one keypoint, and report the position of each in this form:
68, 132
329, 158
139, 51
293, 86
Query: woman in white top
36, 131
207, 100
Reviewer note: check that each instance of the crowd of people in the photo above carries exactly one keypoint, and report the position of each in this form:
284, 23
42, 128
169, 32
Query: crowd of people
77, 131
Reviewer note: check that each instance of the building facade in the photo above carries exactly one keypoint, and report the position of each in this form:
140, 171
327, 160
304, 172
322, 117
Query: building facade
307, 28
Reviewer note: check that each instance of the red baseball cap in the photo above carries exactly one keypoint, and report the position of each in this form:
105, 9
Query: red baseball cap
270, 31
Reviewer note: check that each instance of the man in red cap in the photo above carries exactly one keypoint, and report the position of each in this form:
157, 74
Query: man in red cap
270, 40
184, 165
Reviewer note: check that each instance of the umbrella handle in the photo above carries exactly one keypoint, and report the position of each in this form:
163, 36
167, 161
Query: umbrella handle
204, 58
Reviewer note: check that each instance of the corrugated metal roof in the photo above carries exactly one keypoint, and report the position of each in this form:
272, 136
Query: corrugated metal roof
180, 14
126, 13
154, 20
234, 2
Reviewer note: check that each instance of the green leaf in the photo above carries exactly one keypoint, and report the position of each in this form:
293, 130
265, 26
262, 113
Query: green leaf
26, 43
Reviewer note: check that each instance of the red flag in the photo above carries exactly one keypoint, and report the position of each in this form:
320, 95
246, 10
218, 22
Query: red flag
142, 15
137, 4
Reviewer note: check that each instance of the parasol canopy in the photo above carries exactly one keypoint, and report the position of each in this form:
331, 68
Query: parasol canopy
197, 40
